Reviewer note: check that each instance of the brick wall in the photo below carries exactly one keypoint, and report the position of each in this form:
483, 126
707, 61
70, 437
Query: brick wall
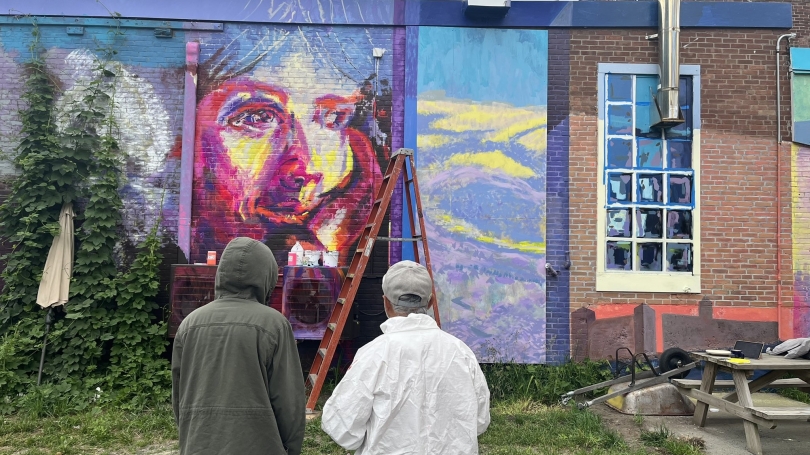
149, 114
557, 288
151, 85
738, 164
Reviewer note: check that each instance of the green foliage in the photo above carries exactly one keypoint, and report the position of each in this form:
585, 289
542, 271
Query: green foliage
795, 394
542, 383
667, 443
30, 215
109, 346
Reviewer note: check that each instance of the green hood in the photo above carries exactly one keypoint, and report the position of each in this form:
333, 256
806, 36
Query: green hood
247, 270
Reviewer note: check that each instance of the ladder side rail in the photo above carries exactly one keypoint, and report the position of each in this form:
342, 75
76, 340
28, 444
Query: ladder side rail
423, 234
411, 213
351, 283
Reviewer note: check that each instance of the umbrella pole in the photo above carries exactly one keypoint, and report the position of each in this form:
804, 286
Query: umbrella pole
48, 321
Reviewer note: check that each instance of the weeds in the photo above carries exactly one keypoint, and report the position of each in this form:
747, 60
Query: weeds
795, 394
667, 443
542, 383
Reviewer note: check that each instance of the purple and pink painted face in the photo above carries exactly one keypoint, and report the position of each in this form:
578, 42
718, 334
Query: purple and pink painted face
270, 165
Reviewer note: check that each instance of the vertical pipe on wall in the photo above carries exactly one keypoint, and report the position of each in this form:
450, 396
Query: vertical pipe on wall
785, 330
187, 154
669, 38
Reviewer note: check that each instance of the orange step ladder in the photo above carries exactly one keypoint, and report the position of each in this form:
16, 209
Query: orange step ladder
400, 164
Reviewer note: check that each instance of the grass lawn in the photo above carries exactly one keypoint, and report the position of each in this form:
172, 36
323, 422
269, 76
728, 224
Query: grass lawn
518, 427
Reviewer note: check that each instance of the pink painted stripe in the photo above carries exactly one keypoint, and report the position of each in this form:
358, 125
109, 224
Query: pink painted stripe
187, 158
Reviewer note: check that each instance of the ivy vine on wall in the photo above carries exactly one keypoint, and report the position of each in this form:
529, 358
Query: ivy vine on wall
110, 338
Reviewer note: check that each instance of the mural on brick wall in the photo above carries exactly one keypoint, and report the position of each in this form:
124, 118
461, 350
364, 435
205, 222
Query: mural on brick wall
481, 137
800, 169
800, 99
148, 109
293, 127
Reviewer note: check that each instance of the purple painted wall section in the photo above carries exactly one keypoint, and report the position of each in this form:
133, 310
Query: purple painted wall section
187, 157
397, 139
445, 13
558, 338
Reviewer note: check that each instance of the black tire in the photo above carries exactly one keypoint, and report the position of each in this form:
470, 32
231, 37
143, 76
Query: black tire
670, 360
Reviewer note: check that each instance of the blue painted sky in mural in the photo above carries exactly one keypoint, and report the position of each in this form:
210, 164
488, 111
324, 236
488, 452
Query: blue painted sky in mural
518, 77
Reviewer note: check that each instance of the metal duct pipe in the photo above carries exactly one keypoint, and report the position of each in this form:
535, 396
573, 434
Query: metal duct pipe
669, 37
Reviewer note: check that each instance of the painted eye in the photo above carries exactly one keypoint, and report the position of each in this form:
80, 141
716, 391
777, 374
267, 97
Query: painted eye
255, 119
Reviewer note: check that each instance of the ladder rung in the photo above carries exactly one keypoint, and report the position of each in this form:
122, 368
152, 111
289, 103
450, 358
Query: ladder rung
350, 275
322, 352
401, 239
388, 176
313, 378
341, 301
378, 201
409, 181
332, 326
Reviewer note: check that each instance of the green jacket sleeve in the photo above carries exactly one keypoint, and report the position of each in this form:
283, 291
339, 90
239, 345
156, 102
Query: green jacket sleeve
287, 394
177, 356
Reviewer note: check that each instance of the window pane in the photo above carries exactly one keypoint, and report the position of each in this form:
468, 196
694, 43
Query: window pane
685, 92
619, 188
619, 223
650, 153
680, 189
650, 223
679, 224
620, 119
649, 257
682, 130
620, 87
619, 256
680, 154
650, 187
646, 87
620, 153
679, 257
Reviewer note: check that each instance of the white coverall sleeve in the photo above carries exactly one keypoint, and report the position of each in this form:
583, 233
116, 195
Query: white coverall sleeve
482, 392
347, 412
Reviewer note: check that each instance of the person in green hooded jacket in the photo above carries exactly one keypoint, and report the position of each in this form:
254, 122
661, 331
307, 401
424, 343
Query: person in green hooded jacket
237, 383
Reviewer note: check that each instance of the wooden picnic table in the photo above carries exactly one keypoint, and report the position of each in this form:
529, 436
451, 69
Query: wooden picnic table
739, 402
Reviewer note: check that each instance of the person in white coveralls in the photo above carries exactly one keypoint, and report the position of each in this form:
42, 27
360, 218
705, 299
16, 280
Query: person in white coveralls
413, 390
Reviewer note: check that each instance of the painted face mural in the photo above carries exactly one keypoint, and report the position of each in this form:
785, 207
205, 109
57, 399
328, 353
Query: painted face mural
289, 146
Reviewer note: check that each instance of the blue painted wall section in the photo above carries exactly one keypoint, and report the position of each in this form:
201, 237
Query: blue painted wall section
423, 12
558, 339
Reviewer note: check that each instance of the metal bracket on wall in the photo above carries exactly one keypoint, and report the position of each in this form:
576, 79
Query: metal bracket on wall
75, 30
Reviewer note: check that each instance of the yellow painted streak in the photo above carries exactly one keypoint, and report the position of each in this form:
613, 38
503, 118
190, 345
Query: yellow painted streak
799, 219
506, 134
431, 140
492, 160
535, 141
462, 116
460, 227
247, 154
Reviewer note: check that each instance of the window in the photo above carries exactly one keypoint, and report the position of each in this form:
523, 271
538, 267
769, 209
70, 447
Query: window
648, 221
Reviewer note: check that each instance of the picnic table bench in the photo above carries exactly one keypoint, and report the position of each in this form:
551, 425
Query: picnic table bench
739, 402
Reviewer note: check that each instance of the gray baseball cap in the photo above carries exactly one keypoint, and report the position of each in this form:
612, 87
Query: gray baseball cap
407, 277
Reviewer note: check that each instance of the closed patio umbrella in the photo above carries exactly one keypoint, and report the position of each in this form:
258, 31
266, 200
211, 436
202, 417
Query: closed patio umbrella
55, 284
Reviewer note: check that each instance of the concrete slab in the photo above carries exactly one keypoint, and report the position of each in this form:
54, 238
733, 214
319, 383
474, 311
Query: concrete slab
724, 433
